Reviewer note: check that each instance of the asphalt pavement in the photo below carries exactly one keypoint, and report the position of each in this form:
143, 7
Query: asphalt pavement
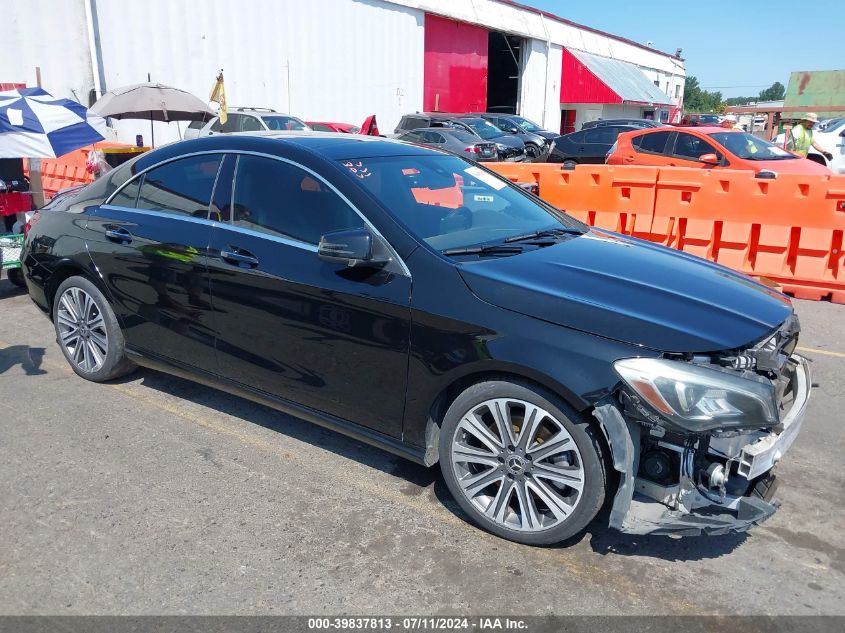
154, 495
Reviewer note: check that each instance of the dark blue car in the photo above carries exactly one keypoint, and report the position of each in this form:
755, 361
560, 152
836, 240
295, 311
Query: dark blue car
419, 302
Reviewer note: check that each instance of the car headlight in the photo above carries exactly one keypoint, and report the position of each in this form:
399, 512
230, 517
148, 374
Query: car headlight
501, 147
698, 398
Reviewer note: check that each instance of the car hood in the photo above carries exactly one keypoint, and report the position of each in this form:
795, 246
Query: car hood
549, 136
633, 291
791, 166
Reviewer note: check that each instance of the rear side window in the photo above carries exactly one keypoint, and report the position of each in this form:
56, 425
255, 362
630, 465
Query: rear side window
232, 124
251, 124
600, 134
180, 187
196, 125
278, 198
414, 122
319, 127
653, 143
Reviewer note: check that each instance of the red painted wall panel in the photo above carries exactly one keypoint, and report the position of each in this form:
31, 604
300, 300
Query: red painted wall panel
578, 84
455, 66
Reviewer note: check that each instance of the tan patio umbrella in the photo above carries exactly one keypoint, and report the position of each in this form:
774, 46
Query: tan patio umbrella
151, 101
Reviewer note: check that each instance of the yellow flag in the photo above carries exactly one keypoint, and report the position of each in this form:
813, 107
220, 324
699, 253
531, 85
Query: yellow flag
218, 95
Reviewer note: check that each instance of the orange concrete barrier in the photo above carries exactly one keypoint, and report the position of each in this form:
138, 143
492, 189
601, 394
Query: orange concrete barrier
789, 229
69, 170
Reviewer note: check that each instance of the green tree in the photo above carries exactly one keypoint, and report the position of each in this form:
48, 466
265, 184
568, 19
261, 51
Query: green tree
698, 100
775, 92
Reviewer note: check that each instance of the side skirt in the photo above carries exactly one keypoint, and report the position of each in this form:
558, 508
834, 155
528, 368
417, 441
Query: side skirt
339, 425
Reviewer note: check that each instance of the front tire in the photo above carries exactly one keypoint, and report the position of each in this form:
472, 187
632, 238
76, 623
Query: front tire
532, 152
88, 333
15, 276
521, 462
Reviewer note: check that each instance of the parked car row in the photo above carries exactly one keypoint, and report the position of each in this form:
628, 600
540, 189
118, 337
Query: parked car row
695, 146
516, 138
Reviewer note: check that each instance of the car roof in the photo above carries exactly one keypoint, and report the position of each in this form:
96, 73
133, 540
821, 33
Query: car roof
337, 145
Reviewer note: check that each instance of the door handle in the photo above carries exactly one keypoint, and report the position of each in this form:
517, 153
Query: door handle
118, 235
628, 159
239, 257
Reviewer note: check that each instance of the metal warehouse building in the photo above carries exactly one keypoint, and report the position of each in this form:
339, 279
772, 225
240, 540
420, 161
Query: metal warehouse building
342, 60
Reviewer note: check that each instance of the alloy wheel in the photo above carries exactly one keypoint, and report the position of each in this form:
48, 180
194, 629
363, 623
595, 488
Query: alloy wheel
517, 464
82, 330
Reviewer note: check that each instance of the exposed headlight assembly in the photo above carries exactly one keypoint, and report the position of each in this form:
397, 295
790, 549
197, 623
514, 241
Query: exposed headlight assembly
699, 399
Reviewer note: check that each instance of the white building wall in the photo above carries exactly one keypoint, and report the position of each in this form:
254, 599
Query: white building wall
330, 60
52, 35
325, 60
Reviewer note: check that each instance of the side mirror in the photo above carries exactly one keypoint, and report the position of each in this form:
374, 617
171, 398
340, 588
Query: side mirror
351, 247
709, 159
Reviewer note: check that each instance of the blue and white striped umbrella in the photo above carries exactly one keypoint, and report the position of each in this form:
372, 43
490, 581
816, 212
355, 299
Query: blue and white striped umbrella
35, 124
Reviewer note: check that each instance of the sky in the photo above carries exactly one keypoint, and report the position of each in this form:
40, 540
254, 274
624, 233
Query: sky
738, 48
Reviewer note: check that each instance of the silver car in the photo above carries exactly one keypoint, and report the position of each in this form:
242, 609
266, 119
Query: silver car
246, 120
455, 140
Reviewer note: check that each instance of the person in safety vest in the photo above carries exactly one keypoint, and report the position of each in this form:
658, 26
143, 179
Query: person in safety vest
800, 138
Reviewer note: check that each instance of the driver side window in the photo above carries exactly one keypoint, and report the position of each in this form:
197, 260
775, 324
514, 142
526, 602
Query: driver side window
692, 147
278, 198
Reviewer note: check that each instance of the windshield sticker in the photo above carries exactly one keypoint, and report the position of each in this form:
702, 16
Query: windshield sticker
487, 179
357, 168
483, 198
777, 151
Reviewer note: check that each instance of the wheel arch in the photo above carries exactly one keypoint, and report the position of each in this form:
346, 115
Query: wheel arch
458, 384
63, 270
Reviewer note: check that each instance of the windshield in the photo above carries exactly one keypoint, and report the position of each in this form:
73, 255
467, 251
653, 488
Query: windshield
750, 147
451, 203
525, 124
483, 128
284, 123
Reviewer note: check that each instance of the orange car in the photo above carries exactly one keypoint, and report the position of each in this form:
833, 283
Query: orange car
707, 147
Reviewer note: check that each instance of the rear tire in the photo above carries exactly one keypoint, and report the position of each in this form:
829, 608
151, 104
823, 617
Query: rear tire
570, 164
88, 333
521, 462
15, 275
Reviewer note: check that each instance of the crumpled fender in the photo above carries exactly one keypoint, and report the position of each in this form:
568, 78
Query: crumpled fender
624, 440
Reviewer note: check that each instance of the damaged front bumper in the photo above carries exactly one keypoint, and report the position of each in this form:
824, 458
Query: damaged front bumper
689, 506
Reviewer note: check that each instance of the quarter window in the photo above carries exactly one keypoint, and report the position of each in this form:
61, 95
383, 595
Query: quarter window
281, 199
182, 186
653, 143
127, 196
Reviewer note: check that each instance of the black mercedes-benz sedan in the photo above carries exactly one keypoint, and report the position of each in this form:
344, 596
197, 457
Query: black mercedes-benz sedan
417, 301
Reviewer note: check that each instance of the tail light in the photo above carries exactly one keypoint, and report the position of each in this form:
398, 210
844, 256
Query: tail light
473, 149
31, 218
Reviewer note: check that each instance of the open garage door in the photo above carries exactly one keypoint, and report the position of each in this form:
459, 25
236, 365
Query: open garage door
504, 67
